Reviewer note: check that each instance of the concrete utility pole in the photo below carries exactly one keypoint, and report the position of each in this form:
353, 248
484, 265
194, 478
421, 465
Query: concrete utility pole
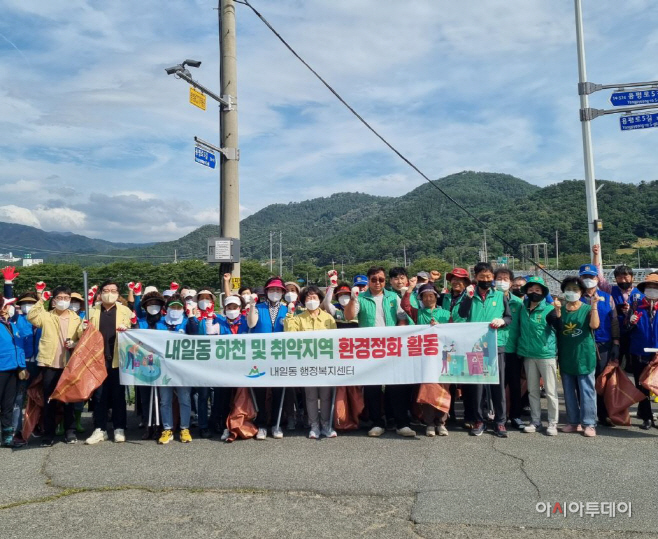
228, 81
280, 254
590, 184
557, 254
271, 254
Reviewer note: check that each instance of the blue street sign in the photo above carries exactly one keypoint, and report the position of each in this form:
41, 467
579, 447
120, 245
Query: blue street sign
639, 97
638, 121
204, 157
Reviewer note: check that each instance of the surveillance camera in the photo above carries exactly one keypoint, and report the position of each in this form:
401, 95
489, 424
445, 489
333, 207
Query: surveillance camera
172, 70
192, 63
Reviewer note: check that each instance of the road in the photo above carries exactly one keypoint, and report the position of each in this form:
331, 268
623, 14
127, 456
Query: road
351, 486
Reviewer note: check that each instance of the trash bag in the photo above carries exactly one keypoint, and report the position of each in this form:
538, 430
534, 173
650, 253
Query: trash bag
243, 412
33, 407
348, 407
618, 392
85, 371
436, 395
649, 378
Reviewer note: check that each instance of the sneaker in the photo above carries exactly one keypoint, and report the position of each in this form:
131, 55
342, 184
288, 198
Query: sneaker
572, 428
185, 436
468, 425
589, 431
500, 431
376, 432
205, 433
70, 437
430, 431
646, 424
442, 430
551, 430
96, 437
261, 434
18, 441
532, 427
166, 437
518, 423
314, 434
478, 428
47, 442
277, 433
119, 436
328, 432
292, 423
407, 432
225, 435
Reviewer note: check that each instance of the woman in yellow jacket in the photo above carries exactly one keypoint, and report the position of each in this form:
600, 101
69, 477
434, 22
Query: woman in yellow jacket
314, 319
60, 330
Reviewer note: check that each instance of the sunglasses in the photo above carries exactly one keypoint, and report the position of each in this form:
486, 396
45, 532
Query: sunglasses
375, 280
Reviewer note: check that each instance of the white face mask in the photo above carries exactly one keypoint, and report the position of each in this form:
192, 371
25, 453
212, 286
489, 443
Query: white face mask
75, 307
274, 297
503, 286
109, 297
204, 304
590, 283
153, 309
291, 297
651, 293
62, 304
570, 295
174, 316
191, 304
232, 314
26, 308
343, 300
313, 304
11, 311
246, 298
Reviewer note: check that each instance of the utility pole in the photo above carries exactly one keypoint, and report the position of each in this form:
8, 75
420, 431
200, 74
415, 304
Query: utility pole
280, 254
557, 254
590, 183
638, 259
271, 250
228, 82
342, 271
175, 256
486, 254
404, 249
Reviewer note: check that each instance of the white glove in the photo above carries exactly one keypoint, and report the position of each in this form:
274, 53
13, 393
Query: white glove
634, 318
470, 290
253, 299
355, 292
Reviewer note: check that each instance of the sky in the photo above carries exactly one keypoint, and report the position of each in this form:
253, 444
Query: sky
96, 139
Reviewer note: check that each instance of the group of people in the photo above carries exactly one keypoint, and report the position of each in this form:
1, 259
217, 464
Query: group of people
591, 324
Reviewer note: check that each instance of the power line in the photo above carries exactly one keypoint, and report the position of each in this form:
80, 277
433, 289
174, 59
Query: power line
52, 251
380, 137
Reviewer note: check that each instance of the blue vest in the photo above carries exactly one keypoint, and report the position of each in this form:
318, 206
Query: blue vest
225, 326
11, 352
604, 333
190, 326
617, 294
29, 336
645, 334
264, 324
143, 324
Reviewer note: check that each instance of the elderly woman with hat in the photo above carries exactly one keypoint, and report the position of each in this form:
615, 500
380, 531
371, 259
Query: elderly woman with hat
643, 329
12, 367
268, 317
534, 336
342, 293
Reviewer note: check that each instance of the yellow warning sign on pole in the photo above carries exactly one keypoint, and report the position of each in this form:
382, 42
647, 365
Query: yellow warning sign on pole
197, 98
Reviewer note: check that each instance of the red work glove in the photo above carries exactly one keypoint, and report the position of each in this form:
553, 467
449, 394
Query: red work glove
210, 312
174, 286
138, 289
133, 318
9, 273
333, 277
40, 286
45, 295
470, 290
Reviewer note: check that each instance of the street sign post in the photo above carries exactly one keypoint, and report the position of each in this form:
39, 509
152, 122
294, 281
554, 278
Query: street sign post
639, 97
198, 99
204, 157
638, 121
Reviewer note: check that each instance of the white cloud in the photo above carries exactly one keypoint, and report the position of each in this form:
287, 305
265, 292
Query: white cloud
18, 215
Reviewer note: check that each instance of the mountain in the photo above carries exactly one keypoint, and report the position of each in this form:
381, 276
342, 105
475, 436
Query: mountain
22, 239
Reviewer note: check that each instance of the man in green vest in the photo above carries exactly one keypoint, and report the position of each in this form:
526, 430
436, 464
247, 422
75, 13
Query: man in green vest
488, 305
378, 307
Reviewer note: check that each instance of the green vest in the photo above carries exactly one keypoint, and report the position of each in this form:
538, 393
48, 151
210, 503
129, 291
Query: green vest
492, 307
425, 315
535, 338
367, 309
515, 305
412, 300
576, 342
447, 300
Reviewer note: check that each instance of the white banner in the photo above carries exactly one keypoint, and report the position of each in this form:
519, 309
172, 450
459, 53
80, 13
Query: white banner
445, 353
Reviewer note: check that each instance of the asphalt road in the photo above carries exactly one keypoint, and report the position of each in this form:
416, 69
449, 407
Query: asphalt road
351, 486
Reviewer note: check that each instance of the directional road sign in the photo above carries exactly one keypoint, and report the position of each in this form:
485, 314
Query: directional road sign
638, 121
204, 157
639, 97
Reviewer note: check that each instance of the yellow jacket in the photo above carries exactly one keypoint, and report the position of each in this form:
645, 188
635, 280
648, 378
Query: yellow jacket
124, 314
51, 336
306, 322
